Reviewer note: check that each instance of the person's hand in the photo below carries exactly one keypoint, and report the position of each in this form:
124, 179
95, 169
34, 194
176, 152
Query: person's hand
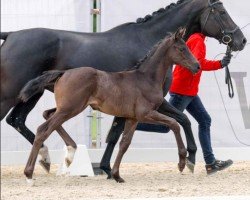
225, 60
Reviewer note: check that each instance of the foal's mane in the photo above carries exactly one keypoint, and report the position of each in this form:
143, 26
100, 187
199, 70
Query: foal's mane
160, 11
151, 52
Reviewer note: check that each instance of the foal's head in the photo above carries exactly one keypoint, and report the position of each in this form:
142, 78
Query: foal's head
179, 53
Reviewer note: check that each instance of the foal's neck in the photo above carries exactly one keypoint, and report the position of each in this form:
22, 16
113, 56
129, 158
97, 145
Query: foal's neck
155, 67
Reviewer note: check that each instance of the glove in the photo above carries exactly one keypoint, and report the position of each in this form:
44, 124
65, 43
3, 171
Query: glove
225, 60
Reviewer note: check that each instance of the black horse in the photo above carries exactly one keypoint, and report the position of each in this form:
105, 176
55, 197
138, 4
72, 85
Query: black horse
26, 54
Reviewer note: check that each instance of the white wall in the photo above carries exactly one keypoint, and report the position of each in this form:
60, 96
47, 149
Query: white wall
57, 14
71, 15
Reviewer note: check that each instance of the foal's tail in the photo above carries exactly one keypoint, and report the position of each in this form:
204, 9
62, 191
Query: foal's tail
39, 84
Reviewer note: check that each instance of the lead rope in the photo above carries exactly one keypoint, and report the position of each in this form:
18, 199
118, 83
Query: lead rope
228, 78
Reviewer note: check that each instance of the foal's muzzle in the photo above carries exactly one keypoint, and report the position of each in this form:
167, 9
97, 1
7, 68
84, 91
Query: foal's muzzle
195, 68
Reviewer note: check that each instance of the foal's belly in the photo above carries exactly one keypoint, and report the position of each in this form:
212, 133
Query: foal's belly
127, 107
114, 106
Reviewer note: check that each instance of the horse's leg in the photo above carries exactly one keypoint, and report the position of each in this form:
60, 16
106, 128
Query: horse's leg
129, 129
158, 118
17, 118
70, 143
112, 138
6, 105
167, 109
18, 115
43, 133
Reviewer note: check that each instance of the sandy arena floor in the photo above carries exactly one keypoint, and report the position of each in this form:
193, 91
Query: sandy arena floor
142, 180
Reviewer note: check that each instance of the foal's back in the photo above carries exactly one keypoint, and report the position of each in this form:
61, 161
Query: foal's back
118, 94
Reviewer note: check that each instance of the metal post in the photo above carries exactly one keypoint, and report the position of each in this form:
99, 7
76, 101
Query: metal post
99, 130
96, 10
98, 21
90, 116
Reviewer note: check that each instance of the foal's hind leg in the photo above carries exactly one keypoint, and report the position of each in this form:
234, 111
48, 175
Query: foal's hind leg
181, 118
43, 133
158, 118
71, 145
130, 126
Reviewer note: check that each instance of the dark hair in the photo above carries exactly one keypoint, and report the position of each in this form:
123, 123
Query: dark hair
160, 11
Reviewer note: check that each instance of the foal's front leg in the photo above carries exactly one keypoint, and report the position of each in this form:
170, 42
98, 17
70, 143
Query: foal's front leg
130, 126
112, 138
158, 118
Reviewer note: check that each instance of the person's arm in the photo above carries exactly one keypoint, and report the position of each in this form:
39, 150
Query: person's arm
199, 51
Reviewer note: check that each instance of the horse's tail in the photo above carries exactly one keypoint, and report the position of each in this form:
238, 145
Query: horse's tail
39, 84
4, 35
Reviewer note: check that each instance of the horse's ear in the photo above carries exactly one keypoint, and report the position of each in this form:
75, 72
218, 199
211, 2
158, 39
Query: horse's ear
180, 33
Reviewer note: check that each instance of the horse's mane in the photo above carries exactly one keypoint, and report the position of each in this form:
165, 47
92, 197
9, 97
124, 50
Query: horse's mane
151, 52
160, 11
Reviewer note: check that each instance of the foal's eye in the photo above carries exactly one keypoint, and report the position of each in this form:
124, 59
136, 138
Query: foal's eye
223, 12
182, 49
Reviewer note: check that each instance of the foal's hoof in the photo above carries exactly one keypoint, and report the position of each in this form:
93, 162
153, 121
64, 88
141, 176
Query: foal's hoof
119, 179
67, 162
45, 158
107, 170
70, 155
45, 165
190, 165
181, 166
30, 182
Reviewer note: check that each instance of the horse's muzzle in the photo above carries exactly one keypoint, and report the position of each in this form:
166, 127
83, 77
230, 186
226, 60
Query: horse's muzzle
239, 45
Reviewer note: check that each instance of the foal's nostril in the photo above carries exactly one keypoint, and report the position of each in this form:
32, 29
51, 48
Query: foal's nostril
244, 41
198, 67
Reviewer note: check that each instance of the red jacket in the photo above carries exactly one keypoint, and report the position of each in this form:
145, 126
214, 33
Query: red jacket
184, 82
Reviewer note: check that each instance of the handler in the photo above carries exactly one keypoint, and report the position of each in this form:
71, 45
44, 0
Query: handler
184, 95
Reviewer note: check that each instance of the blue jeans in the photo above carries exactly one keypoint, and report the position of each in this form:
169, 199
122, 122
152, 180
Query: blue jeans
195, 107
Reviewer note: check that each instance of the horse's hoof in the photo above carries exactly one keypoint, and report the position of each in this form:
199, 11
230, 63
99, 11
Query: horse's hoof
107, 170
70, 155
190, 165
109, 176
45, 165
30, 182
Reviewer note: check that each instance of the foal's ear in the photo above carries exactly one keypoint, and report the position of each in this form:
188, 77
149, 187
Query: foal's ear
180, 33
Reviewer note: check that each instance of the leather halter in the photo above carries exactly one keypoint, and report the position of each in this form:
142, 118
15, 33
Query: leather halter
227, 34
226, 39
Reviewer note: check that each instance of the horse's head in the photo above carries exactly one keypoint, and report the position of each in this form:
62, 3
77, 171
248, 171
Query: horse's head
216, 22
179, 53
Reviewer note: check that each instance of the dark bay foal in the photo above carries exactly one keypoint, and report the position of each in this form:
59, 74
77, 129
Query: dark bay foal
135, 95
